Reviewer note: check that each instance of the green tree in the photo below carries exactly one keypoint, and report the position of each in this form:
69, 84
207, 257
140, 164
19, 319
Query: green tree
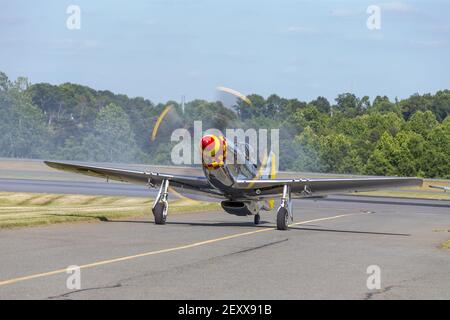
308, 117
322, 104
350, 105
22, 128
436, 157
422, 122
112, 139
379, 165
383, 105
4, 82
415, 103
71, 121
306, 148
441, 104
412, 148
384, 158
338, 155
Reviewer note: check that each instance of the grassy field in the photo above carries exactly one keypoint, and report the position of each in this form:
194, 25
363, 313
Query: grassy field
29, 209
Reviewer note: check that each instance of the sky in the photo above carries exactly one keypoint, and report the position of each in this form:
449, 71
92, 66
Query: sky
164, 49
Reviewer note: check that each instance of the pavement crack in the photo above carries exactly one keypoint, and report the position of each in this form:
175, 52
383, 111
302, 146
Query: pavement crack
201, 263
369, 295
67, 294
255, 248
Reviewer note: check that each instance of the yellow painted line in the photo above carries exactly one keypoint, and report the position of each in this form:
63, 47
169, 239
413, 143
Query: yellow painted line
152, 253
160, 119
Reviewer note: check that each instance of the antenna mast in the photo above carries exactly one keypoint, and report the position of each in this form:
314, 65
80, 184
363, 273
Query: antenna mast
183, 99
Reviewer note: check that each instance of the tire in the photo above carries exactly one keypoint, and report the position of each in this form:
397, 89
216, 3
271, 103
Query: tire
158, 213
257, 218
282, 219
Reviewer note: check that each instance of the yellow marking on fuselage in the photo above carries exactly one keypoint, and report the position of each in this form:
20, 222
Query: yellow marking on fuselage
259, 172
216, 153
273, 175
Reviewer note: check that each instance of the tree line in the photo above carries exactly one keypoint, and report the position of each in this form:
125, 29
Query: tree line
408, 137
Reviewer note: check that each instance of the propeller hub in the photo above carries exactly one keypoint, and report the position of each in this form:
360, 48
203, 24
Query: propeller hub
213, 151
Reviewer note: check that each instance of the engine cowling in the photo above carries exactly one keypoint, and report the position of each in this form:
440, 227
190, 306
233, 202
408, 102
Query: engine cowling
237, 208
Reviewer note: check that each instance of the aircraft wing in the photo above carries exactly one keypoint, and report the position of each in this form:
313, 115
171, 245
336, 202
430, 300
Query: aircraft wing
134, 176
265, 188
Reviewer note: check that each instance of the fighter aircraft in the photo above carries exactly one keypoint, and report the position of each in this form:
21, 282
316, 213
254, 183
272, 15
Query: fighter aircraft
244, 187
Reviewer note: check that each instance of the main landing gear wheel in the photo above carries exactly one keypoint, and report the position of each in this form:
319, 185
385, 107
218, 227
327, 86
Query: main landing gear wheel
282, 218
285, 210
257, 218
160, 213
161, 206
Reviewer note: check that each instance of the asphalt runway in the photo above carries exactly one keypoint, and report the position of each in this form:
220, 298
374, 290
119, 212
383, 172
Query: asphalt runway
325, 255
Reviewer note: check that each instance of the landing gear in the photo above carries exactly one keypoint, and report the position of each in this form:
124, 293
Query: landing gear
282, 219
257, 218
160, 212
161, 206
285, 210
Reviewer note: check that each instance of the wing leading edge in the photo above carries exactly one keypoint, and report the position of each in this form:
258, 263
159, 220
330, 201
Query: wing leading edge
250, 189
307, 187
190, 183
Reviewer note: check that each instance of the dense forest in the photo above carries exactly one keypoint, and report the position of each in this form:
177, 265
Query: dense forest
409, 137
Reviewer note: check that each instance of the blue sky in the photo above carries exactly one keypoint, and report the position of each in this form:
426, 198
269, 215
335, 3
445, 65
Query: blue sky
163, 49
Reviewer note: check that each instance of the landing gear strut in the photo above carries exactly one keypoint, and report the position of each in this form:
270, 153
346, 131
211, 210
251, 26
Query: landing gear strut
257, 218
285, 210
161, 206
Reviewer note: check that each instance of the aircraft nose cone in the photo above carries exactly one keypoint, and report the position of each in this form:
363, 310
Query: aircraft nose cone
208, 141
213, 151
